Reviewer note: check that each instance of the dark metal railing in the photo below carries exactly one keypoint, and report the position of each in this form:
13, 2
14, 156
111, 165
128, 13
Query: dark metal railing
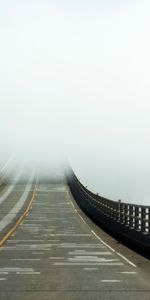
124, 218
134, 216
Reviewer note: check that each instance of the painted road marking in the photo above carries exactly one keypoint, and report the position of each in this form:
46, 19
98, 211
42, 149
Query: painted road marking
11, 231
110, 280
122, 256
28, 273
10, 189
13, 212
126, 259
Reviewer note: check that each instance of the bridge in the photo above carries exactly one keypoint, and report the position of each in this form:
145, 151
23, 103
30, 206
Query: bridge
50, 248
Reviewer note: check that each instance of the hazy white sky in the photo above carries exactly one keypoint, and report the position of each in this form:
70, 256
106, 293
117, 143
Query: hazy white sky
75, 76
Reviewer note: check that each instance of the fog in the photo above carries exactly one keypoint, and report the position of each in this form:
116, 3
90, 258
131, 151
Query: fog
74, 81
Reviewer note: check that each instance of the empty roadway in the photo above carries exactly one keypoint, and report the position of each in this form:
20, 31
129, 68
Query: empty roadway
55, 254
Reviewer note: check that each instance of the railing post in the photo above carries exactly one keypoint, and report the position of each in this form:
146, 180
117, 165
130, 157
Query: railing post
118, 211
137, 218
131, 216
114, 210
143, 219
122, 213
126, 214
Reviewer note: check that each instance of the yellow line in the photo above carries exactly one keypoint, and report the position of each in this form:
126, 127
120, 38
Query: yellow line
11, 230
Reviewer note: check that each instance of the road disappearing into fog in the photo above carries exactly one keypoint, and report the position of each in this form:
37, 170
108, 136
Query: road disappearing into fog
51, 250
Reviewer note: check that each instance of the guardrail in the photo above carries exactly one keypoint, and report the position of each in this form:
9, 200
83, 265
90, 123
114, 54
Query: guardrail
127, 221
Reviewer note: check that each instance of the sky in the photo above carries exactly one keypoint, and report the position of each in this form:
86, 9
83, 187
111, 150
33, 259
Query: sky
74, 79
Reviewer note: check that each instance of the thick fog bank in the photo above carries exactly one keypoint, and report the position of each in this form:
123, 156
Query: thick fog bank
74, 82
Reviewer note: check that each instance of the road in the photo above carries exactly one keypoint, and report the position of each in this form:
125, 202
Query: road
56, 253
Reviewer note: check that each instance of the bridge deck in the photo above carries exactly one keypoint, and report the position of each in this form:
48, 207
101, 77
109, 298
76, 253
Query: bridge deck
54, 254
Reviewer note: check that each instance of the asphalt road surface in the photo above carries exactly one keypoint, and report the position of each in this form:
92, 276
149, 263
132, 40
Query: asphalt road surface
54, 252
